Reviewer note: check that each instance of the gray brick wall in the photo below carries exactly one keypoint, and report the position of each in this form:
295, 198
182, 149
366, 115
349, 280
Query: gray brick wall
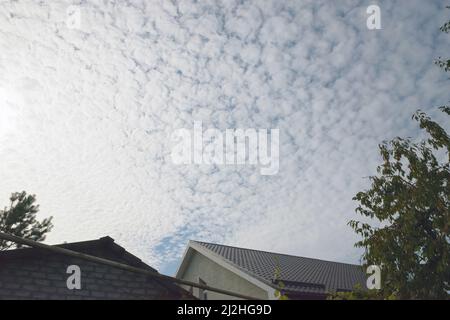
44, 277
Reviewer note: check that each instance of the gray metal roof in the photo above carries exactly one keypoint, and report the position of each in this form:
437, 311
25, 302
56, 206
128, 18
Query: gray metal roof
299, 274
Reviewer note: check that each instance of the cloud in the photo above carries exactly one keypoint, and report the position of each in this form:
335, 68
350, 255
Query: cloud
91, 111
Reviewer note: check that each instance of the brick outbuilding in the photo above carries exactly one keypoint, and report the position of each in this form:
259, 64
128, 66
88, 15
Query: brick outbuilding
33, 273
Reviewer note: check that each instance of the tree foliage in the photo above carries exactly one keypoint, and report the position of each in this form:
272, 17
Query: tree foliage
279, 293
409, 201
444, 64
20, 220
359, 293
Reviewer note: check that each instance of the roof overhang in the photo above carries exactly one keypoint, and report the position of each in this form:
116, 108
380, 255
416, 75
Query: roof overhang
196, 247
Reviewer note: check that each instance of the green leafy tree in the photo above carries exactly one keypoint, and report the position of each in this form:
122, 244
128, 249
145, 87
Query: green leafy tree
444, 64
409, 200
279, 293
20, 220
358, 293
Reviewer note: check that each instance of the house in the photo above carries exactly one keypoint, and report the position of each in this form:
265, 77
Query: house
34, 273
258, 273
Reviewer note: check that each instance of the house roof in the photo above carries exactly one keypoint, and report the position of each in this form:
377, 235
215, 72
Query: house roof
104, 247
298, 274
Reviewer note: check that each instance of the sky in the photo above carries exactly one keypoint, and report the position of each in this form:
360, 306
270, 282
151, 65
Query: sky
88, 107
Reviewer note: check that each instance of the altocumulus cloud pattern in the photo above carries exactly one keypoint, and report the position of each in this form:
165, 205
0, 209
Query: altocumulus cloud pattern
87, 113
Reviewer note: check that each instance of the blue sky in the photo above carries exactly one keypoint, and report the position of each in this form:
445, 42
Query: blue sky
87, 113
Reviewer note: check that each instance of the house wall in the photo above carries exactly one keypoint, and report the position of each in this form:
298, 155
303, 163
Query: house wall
217, 276
44, 277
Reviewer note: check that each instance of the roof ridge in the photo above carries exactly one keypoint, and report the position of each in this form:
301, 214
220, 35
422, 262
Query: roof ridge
271, 252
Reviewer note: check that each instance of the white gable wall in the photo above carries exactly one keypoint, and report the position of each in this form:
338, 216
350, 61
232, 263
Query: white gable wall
219, 277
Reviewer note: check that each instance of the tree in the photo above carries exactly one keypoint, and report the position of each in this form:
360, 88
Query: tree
20, 220
444, 64
279, 293
358, 293
409, 199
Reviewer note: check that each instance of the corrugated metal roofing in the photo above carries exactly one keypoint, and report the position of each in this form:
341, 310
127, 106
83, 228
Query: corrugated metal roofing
299, 274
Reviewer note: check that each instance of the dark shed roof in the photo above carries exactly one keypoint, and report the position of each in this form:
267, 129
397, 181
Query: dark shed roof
104, 247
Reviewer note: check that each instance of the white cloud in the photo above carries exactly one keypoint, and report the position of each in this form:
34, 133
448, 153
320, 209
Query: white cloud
93, 111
